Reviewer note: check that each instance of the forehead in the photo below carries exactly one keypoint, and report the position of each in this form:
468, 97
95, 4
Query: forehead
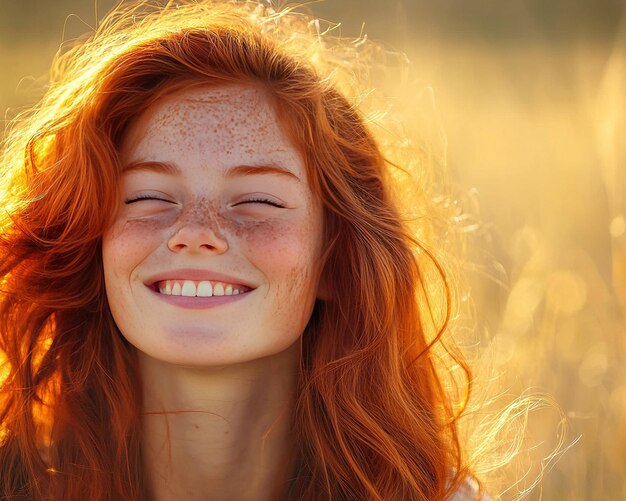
240, 104
226, 125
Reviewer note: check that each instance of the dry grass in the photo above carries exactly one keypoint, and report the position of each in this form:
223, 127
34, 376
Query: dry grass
533, 136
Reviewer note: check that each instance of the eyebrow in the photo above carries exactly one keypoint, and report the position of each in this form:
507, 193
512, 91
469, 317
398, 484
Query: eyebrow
246, 170
161, 167
236, 171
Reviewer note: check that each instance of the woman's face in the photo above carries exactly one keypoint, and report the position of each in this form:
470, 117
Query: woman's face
213, 255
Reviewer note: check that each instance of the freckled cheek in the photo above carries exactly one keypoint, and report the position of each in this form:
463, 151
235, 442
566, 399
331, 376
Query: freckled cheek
282, 247
126, 244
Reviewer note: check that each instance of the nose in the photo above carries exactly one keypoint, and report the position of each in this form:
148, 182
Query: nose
195, 238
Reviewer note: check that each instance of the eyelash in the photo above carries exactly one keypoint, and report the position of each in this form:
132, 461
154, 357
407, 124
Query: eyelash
263, 200
144, 197
252, 200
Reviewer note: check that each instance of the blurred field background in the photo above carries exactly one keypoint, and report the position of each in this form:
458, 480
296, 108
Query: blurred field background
532, 98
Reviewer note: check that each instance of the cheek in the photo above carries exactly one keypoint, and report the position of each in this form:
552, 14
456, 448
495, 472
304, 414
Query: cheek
286, 251
127, 243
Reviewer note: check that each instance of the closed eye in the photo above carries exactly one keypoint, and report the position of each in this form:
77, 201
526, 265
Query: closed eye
262, 201
139, 198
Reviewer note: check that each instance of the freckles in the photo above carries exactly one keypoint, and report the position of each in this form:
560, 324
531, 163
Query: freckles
266, 234
207, 213
294, 286
255, 233
148, 225
297, 279
176, 128
284, 246
200, 211
133, 238
228, 122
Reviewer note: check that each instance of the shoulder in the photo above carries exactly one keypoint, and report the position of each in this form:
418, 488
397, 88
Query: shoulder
469, 491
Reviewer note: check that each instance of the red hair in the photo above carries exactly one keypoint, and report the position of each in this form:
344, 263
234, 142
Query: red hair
374, 419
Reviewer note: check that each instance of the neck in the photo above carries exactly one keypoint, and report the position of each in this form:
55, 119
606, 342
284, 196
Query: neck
221, 433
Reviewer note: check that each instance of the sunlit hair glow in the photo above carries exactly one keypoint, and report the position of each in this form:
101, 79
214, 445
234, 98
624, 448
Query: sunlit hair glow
374, 419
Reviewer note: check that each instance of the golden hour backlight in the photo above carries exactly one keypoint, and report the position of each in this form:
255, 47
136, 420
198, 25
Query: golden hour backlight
522, 106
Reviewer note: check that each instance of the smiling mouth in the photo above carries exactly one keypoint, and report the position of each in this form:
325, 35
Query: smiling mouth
195, 288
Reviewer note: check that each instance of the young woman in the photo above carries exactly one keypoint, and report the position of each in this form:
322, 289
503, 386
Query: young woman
208, 290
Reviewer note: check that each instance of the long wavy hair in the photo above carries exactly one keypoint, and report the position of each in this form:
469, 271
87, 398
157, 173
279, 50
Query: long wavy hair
375, 419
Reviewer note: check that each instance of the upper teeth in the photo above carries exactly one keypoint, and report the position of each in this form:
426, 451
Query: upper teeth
203, 288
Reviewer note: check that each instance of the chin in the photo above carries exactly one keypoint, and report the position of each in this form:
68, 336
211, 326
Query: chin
211, 350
